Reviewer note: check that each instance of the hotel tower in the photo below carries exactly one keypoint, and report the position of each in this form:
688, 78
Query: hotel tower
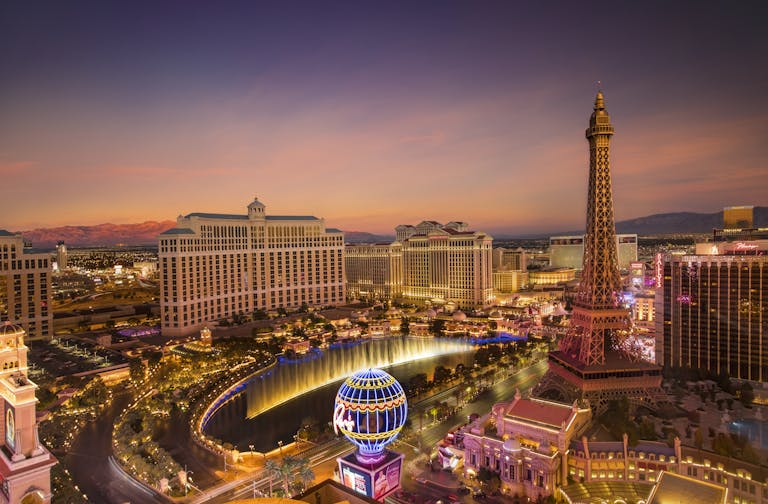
214, 266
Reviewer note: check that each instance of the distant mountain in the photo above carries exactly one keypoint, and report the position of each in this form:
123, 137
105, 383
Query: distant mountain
363, 237
144, 233
682, 222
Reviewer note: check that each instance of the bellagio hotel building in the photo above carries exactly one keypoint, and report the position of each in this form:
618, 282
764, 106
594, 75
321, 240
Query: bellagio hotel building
214, 266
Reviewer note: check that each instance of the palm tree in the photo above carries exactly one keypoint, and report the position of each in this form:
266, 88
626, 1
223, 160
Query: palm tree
273, 469
306, 474
289, 465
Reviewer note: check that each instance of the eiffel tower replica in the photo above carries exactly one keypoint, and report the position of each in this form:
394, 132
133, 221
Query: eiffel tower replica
597, 360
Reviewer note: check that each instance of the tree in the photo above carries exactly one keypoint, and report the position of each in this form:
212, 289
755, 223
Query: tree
306, 474
482, 357
747, 395
154, 358
418, 382
442, 374
437, 327
457, 395
136, 369
405, 326
273, 470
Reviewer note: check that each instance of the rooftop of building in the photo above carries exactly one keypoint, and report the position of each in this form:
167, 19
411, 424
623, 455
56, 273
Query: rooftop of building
540, 411
602, 491
675, 488
206, 215
3, 232
177, 231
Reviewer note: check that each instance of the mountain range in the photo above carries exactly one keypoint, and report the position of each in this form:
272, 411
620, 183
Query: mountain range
145, 233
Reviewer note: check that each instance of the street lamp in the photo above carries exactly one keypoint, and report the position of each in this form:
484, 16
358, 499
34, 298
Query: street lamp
280, 445
250, 446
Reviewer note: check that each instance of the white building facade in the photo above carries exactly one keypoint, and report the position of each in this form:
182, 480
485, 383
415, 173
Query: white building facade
25, 294
214, 266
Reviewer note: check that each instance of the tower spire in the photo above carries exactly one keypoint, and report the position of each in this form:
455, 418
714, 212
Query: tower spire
599, 101
596, 360
597, 315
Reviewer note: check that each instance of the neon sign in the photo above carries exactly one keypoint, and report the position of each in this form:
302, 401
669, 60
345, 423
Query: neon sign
659, 271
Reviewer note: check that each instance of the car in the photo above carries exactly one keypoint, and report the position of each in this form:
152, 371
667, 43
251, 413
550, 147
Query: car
463, 490
453, 498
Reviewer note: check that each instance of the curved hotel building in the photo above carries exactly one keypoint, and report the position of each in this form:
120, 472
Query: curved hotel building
214, 266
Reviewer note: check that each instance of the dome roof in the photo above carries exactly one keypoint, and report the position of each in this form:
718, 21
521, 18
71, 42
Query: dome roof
431, 313
9, 329
459, 316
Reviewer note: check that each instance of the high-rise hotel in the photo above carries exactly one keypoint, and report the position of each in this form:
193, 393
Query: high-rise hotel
429, 262
25, 296
213, 266
712, 309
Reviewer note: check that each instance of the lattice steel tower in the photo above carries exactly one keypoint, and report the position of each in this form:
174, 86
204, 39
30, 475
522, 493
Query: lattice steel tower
598, 321
598, 359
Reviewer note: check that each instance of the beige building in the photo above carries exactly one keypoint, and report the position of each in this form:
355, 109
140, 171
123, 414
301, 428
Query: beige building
25, 294
506, 282
510, 259
214, 266
374, 271
568, 251
428, 263
448, 263
551, 276
594, 462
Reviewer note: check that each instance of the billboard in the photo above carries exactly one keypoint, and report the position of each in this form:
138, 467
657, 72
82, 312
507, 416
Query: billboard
352, 477
376, 482
387, 479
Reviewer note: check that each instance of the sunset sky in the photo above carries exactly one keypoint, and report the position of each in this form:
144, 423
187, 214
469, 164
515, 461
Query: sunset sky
371, 114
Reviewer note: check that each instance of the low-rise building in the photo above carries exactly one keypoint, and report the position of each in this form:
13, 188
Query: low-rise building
525, 441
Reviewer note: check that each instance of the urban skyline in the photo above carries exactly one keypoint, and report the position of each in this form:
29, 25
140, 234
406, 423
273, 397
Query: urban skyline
369, 117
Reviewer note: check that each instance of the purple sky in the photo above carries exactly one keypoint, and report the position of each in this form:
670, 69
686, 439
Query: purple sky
372, 114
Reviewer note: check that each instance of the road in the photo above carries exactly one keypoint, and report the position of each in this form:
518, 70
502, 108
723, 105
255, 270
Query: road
243, 487
95, 471
501, 391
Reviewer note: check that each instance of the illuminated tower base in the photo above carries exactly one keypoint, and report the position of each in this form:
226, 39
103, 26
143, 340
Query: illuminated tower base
376, 480
596, 385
